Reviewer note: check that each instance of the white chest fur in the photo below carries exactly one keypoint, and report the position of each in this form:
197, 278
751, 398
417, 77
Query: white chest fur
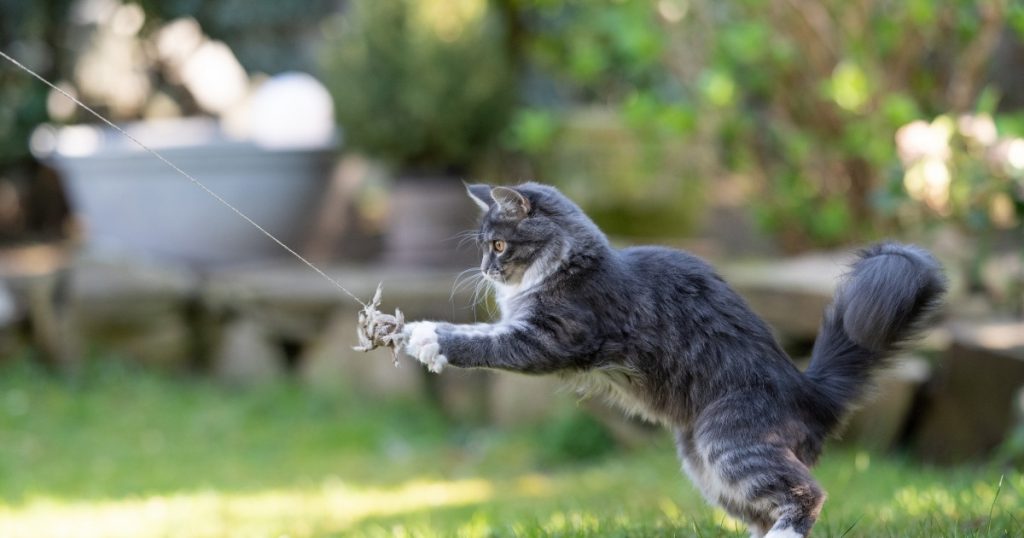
618, 386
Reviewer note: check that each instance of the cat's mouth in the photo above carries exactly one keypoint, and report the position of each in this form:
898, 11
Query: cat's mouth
506, 276
494, 275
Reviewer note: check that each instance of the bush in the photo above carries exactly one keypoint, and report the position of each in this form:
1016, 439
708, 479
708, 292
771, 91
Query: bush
573, 436
799, 100
27, 33
607, 122
421, 84
268, 36
815, 95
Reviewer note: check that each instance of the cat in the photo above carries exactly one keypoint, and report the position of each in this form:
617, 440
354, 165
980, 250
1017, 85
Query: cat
659, 333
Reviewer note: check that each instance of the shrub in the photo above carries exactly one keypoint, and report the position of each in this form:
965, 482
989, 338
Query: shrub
819, 90
423, 84
607, 122
573, 436
801, 99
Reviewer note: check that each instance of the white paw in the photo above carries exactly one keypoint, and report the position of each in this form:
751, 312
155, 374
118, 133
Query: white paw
422, 345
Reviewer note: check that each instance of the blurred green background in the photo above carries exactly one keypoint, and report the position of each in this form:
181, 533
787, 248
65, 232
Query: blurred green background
160, 388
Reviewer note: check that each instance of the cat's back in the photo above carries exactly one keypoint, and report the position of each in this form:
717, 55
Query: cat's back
662, 266
687, 288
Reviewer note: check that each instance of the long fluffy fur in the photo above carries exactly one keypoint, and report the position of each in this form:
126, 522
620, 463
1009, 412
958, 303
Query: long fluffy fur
659, 333
890, 294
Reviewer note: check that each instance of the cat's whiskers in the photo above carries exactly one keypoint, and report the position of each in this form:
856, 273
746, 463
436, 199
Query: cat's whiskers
461, 280
463, 237
476, 295
480, 294
462, 234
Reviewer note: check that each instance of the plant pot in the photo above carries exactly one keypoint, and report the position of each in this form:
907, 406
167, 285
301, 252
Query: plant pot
428, 215
133, 203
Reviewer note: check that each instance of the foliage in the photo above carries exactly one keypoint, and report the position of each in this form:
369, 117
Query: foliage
962, 170
25, 107
573, 436
967, 171
801, 98
267, 36
31, 205
820, 89
420, 84
187, 457
606, 121
27, 31
596, 51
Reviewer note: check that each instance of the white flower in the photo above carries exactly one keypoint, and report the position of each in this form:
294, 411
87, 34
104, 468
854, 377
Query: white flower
928, 181
979, 128
1009, 151
1015, 153
920, 139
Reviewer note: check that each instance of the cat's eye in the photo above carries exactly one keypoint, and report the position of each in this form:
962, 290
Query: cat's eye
498, 245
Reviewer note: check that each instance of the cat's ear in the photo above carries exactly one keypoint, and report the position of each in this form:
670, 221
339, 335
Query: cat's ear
480, 194
512, 202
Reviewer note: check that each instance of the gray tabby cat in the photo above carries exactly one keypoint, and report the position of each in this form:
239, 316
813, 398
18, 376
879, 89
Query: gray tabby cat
659, 333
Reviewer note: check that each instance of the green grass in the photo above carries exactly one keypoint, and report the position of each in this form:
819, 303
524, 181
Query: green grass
124, 453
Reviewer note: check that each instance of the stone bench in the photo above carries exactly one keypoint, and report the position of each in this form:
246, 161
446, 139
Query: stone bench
256, 323
264, 313
252, 324
790, 294
142, 311
266, 319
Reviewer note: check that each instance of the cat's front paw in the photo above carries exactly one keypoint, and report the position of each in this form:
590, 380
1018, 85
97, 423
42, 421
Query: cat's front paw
422, 345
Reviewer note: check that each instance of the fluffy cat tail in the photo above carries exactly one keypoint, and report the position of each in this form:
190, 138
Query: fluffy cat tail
889, 295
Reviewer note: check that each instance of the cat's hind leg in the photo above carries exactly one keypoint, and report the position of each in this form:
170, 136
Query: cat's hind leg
766, 486
753, 472
717, 490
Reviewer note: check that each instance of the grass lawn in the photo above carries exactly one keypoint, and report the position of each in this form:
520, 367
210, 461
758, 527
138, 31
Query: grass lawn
122, 453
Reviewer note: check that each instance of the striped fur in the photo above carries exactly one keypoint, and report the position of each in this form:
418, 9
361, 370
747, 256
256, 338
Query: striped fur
659, 333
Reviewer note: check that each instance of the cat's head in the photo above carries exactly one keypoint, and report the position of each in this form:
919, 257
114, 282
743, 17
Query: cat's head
527, 231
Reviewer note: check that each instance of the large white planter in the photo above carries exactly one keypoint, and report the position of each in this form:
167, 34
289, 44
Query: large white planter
131, 202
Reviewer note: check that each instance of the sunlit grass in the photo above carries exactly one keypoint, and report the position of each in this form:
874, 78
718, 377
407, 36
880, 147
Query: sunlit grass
120, 453
333, 506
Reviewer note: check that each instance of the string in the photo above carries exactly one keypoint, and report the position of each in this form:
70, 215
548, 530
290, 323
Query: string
195, 181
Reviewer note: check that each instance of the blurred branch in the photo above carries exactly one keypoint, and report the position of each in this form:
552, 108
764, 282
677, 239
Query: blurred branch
515, 32
968, 72
818, 20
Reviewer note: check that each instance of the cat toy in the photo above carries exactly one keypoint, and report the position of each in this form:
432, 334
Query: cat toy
377, 329
373, 328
